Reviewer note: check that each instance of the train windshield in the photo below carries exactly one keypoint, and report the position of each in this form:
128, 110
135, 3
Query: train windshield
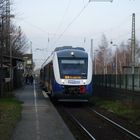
73, 68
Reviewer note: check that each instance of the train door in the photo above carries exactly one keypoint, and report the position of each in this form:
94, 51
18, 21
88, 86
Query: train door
51, 74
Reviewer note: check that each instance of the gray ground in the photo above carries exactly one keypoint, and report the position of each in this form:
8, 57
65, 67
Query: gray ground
40, 120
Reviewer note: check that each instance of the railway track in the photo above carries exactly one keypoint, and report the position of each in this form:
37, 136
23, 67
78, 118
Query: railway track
82, 127
116, 124
96, 126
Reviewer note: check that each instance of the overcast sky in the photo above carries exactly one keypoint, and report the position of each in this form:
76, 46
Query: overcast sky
52, 23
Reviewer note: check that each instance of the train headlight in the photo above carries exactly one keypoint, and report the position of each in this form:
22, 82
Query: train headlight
72, 53
84, 81
63, 81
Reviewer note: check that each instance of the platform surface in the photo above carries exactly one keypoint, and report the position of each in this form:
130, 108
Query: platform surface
40, 120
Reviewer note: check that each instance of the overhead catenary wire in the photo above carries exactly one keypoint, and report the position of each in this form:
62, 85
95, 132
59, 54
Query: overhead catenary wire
39, 28
112, 29
105, 31
73, 20
63, 17
78, 15
60, 35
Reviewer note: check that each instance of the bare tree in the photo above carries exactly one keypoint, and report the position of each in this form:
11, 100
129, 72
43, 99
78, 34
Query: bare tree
102, 56
19, 42
124, 55
17, 39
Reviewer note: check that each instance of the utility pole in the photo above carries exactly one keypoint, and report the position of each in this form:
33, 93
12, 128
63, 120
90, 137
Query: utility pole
133, 49
91, 49
31, 67
91, 53
8, 38
133, 43
3, 26
7, 16
95, 61
1, 56
31, 47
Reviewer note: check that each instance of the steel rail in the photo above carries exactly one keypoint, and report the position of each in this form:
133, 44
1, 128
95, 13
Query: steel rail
81, 126
114, 123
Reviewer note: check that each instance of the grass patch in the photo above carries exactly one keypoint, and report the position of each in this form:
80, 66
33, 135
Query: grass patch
131, 113
10, 114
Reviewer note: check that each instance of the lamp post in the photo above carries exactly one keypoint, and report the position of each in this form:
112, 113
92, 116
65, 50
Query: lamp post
103, 51
95, 65
116, 60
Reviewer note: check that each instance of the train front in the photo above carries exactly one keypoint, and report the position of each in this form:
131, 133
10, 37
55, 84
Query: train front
73, 75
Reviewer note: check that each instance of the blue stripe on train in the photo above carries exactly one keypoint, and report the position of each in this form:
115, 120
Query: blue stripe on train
56, 87
89, 88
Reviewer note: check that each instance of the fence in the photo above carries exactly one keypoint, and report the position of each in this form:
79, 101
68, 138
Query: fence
5, 83
126, 81
119, 87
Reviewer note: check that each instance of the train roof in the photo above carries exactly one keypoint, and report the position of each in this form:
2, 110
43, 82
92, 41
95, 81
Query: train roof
69, 47
72, 53
66, 51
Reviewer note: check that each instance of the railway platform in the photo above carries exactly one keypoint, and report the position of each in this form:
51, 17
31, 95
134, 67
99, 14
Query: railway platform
40, 120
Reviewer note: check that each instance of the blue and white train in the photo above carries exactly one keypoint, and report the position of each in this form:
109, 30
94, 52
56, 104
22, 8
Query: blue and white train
67, 75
